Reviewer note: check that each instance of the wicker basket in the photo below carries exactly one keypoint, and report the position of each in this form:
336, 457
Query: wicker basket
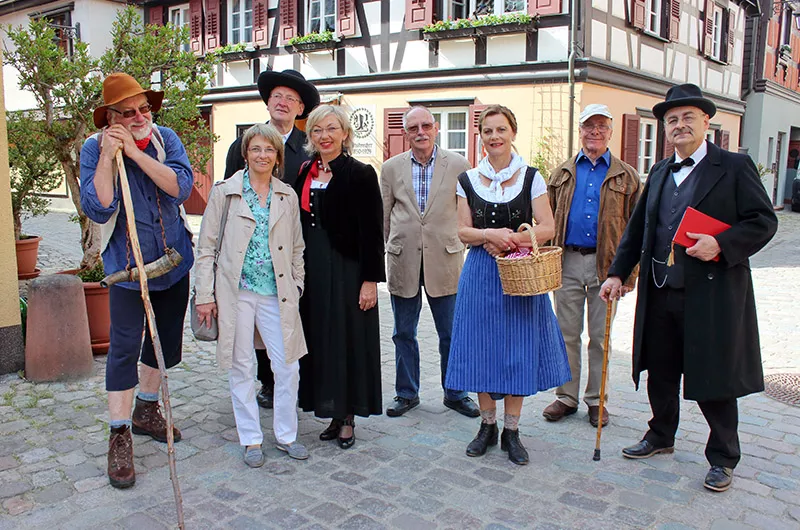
538, 273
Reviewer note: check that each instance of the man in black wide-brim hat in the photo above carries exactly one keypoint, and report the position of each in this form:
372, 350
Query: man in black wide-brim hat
288, 97
696, 313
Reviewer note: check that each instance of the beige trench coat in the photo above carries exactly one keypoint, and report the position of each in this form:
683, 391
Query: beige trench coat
285, 244
431, 238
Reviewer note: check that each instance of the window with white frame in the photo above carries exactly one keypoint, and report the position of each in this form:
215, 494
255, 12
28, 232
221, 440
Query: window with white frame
452, 129
652, 16
179, 16
648, 132
321, 16
240, 15
717, 33
456, 9
711, 136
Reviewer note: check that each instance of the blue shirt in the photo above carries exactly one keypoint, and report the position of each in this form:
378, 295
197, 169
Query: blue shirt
145, 208
422, 175
582, 220
258, 274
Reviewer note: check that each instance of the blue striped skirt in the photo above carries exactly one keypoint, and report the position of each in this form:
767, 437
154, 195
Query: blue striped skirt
502, 344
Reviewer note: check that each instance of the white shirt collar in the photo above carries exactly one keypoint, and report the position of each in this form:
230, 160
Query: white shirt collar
287, 135
699, 154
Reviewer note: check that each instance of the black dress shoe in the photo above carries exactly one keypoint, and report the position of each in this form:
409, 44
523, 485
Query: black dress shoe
401, 406
332, 431
464, 406
347, 443
509, 441
264, 398
645, 449
487, 435
718, 478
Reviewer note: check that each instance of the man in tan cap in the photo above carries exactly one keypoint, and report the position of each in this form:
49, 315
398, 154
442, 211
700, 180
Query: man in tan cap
592, 196
160, 178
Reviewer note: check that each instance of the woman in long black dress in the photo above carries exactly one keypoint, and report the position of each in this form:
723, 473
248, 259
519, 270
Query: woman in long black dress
342, 217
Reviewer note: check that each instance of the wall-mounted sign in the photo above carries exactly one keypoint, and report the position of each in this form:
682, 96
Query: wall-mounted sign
362, 119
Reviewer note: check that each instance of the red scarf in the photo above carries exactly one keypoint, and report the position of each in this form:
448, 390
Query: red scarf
144, 142
305, 195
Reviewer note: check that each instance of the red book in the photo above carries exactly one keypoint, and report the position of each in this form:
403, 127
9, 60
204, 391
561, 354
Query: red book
697, 223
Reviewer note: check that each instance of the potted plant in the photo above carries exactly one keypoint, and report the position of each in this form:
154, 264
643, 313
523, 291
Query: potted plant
313, 41
97, 307
34, 170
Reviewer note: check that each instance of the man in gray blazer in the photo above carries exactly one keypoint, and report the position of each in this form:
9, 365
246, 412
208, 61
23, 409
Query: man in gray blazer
423, 249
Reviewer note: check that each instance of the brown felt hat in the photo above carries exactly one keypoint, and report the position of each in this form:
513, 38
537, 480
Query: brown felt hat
118, 87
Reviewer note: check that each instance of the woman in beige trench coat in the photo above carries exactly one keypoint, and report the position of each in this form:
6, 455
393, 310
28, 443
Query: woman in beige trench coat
256, 289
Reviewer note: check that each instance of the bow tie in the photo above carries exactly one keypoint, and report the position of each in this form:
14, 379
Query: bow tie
676, 166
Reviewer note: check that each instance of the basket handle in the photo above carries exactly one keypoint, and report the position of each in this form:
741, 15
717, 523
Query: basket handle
535, 246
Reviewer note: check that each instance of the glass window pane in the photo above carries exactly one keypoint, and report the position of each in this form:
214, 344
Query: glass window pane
315, 25
248, 19
330, 23
456, 140
235, 25
330, 7
235, 36
512, 6
248, 5
248, 34
457, 120
236, 6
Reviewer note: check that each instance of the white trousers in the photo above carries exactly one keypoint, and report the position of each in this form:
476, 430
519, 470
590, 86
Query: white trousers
263, 312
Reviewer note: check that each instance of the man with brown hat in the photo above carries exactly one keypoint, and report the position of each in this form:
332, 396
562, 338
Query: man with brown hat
695, 310
160, 178
288, 97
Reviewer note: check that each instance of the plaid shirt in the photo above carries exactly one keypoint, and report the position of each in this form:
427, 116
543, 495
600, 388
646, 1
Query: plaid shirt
422, 175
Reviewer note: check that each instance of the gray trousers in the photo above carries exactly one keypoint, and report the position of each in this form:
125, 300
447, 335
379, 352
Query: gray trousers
581, 288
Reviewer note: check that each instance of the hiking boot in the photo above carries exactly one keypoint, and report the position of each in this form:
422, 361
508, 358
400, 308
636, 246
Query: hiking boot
147, 419
120, 458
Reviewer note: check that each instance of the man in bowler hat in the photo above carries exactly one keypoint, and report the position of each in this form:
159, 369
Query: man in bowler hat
288, 97
696, 313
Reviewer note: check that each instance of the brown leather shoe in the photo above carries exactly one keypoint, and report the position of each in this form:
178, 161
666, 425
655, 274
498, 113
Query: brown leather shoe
147, 419
594, 412
557, 410
120, 458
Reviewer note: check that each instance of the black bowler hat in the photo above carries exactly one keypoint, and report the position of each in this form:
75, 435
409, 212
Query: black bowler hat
294, 80
687, 95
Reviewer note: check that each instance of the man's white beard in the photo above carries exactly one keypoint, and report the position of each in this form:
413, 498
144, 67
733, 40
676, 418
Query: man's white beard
142, 132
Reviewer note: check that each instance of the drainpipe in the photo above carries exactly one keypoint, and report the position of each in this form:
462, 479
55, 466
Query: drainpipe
571, 74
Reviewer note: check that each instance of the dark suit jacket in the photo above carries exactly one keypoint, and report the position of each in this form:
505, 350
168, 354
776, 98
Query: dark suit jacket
721, 354
294, 156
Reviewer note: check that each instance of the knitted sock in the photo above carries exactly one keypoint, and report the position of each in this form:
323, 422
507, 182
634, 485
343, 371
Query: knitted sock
118, 424
510, 421
489, 416
147, 396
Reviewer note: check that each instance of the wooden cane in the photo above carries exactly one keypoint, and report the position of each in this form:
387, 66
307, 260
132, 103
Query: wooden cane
151, 323
610, 310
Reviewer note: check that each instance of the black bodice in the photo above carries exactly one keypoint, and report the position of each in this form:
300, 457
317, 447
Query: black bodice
512, 214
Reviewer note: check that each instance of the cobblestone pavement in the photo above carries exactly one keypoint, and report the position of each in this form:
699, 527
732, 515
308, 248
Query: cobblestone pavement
408, 472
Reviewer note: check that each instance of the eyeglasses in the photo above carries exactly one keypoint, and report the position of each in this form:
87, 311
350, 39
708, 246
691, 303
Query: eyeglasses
414, 129
259, 151
688, 119
589, 127
278, 96
317, 131
130, 113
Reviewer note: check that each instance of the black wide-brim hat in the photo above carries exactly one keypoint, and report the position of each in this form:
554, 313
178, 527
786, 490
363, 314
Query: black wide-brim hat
687, 95
293, 79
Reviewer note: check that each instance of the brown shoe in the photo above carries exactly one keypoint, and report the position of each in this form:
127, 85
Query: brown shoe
147, 419
120, 458
557, 410
594, 413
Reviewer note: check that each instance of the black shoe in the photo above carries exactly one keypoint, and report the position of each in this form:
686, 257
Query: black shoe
509, 441
645, 449
331, 432
719, 478
464, 406
487, 435
347, 443
265, 397
401, 406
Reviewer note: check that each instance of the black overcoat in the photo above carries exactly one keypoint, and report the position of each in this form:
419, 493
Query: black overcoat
721, 355
294, 156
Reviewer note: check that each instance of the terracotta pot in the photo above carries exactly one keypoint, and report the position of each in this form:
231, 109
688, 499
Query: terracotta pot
99, 313
27, 256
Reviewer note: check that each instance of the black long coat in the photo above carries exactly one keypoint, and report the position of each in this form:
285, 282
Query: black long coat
721, 355
294, 156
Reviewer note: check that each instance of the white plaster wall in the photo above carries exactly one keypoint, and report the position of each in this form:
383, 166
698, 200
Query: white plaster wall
415, 56
734, 86
456, 53
372, 11
693, 74
694, 27
652, 59
634, 44
679, 69
599, 39
619, 47
355, 61
397, 13
318, 65
714, 81
553, 44
95, 17
283, 62
618, 8
602, 5
237, 73
505, 49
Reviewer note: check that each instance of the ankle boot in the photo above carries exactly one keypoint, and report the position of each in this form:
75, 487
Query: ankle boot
147, 419
487, 435
509, 441
120, 458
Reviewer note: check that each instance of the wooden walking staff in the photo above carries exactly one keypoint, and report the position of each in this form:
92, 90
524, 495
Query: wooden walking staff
611, 308
151, 323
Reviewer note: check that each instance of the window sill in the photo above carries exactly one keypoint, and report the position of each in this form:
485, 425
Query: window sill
230, 57
652, 35
310, 47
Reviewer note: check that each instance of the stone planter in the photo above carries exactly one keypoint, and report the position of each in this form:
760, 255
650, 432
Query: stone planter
27, 256
99, 313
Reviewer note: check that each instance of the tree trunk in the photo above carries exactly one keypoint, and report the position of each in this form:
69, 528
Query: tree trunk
17, 226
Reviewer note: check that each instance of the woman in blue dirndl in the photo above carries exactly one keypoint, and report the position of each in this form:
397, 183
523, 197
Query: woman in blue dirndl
503, 347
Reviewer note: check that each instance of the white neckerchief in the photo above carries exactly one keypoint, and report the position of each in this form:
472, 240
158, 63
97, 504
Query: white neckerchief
498, 177
684, 172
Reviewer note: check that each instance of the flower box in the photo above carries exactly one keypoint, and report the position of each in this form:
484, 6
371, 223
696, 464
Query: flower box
309, 47
449, 34
499, 29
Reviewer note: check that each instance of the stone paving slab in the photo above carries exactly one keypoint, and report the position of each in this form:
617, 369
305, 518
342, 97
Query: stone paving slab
409, 472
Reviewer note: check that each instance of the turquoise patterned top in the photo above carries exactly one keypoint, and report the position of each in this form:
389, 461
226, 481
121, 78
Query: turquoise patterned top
258, 274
